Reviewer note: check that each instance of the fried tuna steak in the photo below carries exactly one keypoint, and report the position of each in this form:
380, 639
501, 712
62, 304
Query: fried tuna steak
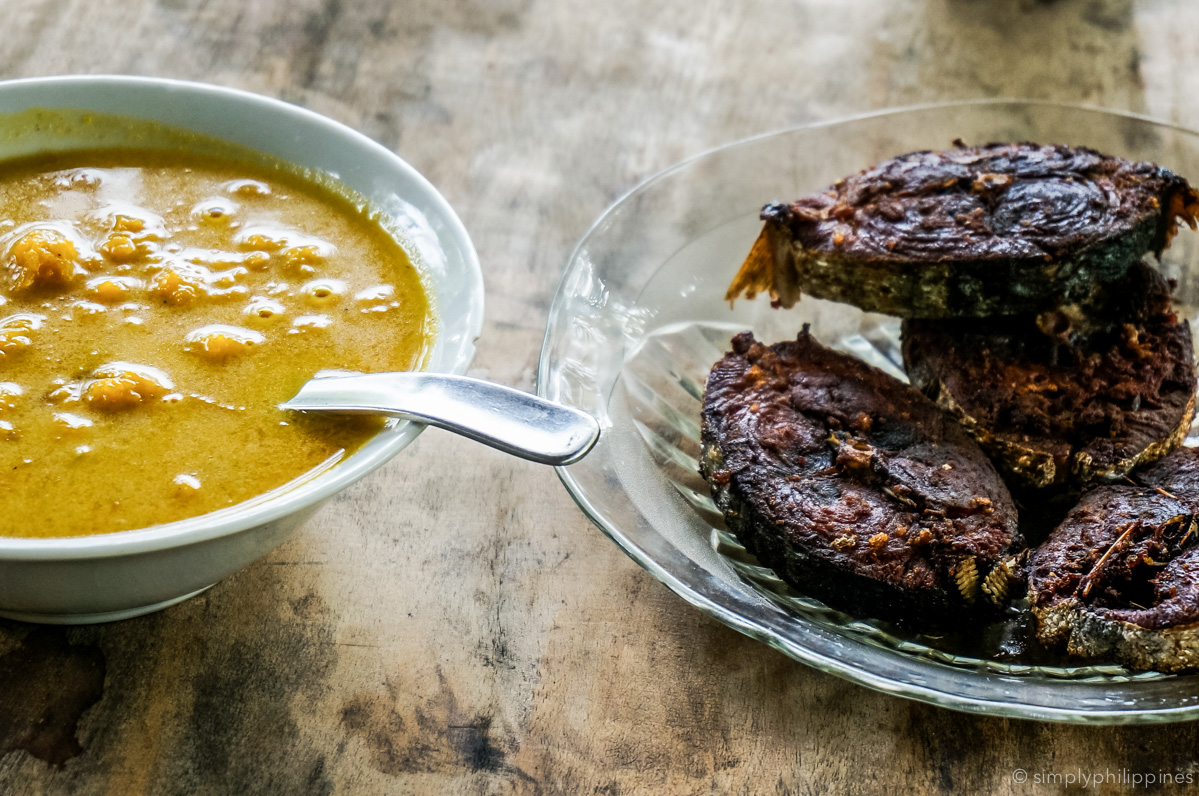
854, 487
974, 231
1065, 398
1119, 578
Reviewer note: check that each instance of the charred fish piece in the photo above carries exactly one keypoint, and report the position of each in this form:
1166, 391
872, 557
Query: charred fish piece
854, 487
999, 229
1119, 578
1069, 397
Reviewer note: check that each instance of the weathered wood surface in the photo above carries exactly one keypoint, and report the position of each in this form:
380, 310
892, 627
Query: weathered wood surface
453, 624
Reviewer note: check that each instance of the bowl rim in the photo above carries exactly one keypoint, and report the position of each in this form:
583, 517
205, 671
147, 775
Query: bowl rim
380, 449
706, 600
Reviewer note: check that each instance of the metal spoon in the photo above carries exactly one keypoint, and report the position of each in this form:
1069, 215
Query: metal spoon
513, 421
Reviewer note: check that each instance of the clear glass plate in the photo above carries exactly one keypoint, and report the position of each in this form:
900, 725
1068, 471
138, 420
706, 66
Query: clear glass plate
639, 318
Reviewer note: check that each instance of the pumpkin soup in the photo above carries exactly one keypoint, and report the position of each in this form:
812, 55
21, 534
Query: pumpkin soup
156, 308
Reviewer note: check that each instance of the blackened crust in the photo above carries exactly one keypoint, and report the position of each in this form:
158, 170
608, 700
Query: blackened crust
852, 486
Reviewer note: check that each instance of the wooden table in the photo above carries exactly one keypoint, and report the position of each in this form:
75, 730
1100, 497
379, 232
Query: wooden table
453, 624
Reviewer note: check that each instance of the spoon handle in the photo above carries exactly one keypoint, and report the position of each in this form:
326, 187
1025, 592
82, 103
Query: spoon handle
513, 421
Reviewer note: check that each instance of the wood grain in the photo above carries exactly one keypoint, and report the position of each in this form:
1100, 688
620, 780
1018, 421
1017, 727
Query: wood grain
453, 624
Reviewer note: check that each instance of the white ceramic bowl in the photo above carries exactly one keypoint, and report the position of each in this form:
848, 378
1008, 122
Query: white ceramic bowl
112, 576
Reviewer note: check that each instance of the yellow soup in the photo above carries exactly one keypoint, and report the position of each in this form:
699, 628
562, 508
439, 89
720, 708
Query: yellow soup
155, 309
